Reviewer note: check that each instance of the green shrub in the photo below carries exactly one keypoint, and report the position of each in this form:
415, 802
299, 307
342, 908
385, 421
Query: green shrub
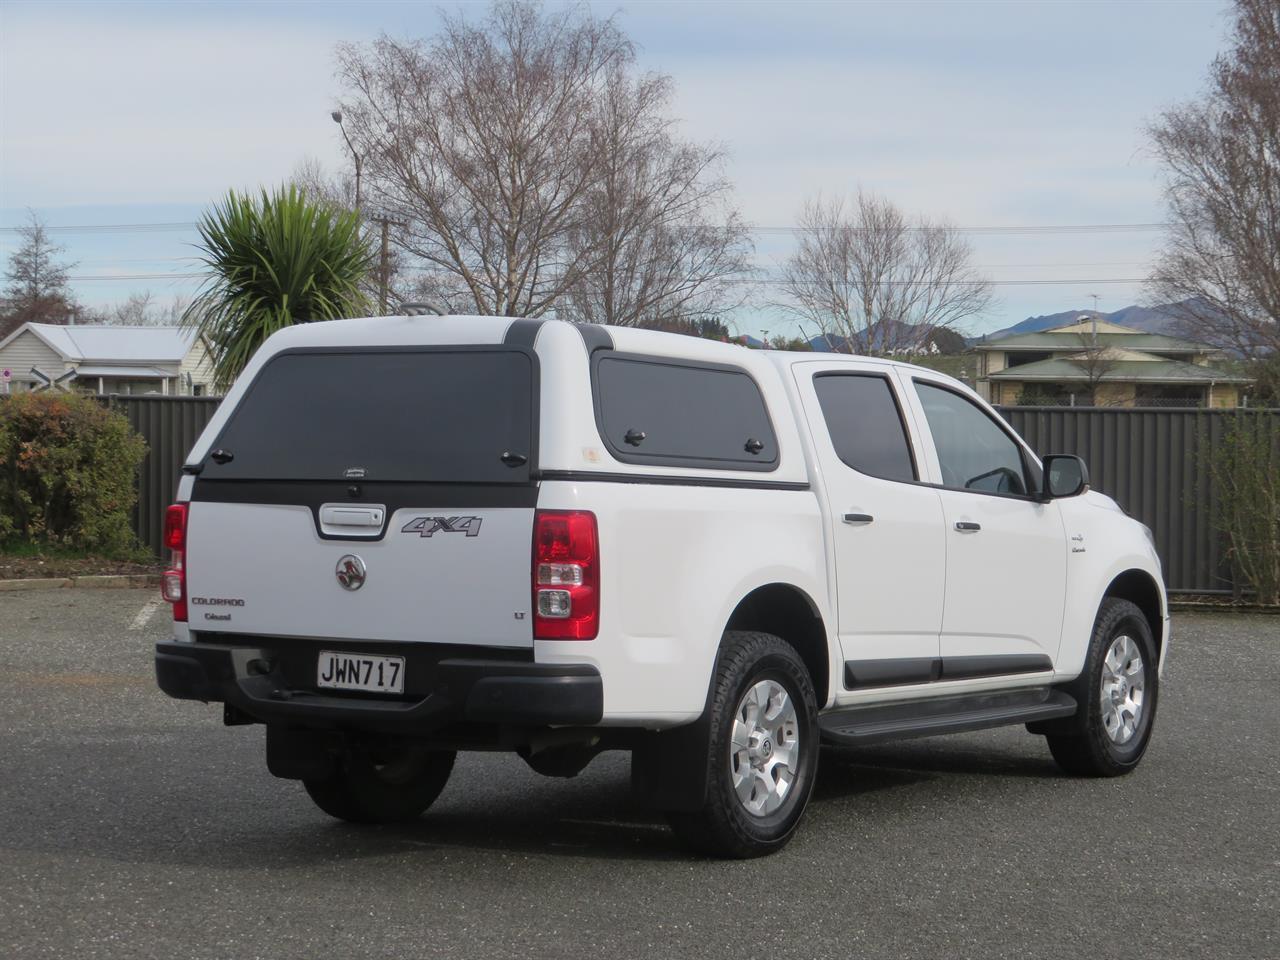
67, 473
1245, 469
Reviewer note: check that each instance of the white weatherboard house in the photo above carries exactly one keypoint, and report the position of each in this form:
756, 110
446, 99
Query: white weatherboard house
106, 359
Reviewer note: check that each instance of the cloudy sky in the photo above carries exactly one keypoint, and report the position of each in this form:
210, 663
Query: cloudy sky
1013, 119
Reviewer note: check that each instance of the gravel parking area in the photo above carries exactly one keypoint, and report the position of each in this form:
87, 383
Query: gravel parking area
136, 826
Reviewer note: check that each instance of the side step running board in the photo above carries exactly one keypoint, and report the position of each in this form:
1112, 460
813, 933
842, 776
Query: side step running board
926, 718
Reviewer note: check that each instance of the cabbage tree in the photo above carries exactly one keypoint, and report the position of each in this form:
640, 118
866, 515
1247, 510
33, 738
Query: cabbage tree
274, 259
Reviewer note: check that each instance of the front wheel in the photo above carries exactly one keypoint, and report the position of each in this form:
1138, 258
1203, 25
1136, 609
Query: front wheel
1117, 694
763, 751
383, 784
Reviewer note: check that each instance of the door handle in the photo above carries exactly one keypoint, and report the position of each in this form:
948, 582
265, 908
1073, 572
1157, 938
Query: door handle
858, 518
968, 526
333, 516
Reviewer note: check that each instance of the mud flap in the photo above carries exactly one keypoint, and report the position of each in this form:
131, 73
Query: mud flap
669, 768
301, 754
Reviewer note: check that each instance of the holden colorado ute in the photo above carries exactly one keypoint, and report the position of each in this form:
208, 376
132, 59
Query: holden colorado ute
402, 537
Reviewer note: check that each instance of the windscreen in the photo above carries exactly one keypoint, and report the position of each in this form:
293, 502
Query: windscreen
399, 415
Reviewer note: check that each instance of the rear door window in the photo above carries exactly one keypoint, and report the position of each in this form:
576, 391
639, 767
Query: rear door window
400, 415
660, 411
865, 424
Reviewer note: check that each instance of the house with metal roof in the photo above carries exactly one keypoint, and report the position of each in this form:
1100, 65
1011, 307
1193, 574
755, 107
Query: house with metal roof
106, 359
1092, 362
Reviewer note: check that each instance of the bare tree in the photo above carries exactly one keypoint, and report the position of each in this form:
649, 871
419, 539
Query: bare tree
659, 237
875, 281
483, 143
311, 177
316, 182
143, 310
37, 289
1221, 261
136, 311
1095, 359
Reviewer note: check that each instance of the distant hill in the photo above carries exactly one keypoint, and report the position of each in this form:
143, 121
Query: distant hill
1158, 319
940, 341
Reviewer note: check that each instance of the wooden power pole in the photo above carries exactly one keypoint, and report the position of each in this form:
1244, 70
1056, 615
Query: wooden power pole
384, 260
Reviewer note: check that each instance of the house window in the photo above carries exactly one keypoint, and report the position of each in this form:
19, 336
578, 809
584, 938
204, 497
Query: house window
1020, 358
197, 390
1168, 395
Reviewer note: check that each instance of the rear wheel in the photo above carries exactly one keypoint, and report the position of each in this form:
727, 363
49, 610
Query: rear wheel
1117, 694
763, 753
383, 784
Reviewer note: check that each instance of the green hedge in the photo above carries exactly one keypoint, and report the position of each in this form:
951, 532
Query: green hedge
67, 473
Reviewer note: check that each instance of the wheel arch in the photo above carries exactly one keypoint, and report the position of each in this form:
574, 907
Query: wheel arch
1141, 589
788, 612
669, 767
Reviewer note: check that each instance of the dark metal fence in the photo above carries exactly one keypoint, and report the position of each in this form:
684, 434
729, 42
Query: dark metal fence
1155, 464
170, 425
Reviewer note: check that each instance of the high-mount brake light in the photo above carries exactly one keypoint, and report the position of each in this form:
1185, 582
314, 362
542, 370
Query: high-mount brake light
173, 582
566, 575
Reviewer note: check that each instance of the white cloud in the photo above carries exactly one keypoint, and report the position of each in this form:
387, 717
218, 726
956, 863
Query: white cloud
155, 109
986, 114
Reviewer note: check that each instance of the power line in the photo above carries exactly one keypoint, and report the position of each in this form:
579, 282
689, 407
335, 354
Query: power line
140, 276
111, 228
1065, 228
111, 261
892, 283
1008, 229
994, 283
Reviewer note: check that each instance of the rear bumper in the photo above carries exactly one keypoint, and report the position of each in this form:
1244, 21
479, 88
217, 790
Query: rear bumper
268, 683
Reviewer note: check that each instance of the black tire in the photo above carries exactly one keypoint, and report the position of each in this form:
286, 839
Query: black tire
1081, 745
724, 827
383, 784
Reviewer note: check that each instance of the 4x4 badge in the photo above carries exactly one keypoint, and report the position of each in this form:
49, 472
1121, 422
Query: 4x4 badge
426, 526
351, 572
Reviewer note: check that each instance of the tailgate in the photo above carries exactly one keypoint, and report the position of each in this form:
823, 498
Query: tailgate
371, 494
443, 574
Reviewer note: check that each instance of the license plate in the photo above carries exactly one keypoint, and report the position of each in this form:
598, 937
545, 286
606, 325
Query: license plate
352, 671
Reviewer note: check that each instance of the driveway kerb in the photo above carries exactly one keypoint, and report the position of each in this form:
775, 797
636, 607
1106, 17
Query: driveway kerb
115, 582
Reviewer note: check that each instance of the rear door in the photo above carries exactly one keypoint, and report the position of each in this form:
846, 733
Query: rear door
371, 494
885, 526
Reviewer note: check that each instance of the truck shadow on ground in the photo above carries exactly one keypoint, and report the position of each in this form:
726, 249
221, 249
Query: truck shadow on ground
227, 813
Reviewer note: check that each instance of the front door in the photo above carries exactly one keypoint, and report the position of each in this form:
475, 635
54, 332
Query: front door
886, 527
1006, 552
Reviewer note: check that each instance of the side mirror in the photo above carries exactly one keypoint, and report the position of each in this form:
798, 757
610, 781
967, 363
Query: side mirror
1064, 476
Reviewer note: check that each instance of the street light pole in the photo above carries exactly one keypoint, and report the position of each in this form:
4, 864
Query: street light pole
359, 160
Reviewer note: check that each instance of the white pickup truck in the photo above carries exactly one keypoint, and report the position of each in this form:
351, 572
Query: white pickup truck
406, 536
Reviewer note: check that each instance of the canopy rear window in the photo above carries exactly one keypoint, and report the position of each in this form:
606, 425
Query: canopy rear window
401, 415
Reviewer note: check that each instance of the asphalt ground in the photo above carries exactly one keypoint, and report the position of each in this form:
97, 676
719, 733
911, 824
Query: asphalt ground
135, 826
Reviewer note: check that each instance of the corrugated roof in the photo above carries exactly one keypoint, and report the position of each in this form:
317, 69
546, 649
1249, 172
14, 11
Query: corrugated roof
1123, 371
110, 344
1072, 341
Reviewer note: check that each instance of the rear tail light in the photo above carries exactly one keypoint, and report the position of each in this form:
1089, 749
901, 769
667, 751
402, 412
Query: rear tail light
566, 575
173, 582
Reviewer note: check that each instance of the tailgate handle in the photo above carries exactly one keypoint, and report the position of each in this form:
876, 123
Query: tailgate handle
351, 516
